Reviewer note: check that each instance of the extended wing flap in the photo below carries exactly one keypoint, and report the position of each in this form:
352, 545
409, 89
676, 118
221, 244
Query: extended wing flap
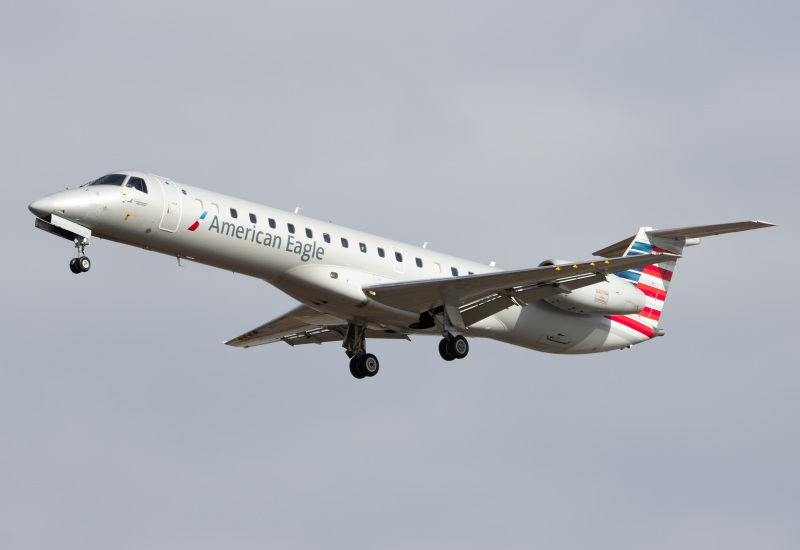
419, 296
303, 325
300, 320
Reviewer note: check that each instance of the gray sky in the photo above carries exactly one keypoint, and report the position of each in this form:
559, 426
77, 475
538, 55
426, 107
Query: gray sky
506, 131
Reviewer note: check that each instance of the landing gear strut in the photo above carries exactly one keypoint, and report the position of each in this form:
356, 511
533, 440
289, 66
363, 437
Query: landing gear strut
81, 264
362, 364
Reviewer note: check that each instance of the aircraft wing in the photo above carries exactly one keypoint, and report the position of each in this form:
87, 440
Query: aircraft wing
302, 325
526, 284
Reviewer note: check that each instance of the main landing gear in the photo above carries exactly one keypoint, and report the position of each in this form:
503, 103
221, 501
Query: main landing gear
362, 364
81, 264
365, 365
453, 347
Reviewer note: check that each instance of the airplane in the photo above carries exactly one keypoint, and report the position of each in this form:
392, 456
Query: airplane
354, 286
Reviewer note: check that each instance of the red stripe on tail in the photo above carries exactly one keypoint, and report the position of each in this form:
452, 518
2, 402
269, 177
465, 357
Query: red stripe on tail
652, 292
635, 325
658, 272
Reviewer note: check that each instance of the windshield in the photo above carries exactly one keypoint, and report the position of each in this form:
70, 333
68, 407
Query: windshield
110, 179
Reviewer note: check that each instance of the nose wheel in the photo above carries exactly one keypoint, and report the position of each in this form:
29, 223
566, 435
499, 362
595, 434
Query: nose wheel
81, 264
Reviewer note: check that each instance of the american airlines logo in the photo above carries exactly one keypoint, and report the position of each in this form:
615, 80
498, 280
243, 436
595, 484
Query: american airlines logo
196, 224
306, 250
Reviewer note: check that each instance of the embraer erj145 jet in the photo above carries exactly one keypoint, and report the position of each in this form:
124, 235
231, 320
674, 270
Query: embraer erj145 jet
353, 286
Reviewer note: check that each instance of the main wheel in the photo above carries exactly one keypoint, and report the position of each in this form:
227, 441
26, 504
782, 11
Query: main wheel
446, 355
355, 370
458, 347
84, 264
73, 266
368, 364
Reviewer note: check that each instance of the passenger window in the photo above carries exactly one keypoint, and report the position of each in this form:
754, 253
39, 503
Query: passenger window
419, 262
253, 218
326, 237
381, 253
272, 223
454, 271
437, 267
344, 242
398, 256
291, 227
214, 208
137, 183
199, 204
362, 246
309, 234
234, 214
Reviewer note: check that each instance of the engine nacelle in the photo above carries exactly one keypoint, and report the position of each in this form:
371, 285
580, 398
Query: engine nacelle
614, 296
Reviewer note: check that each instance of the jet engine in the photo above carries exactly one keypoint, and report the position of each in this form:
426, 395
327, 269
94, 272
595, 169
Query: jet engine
614, 296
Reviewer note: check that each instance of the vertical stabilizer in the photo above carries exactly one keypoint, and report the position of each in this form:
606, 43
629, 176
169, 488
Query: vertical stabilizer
652, 280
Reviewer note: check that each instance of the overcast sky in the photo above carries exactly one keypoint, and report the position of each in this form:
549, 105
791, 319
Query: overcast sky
505, 131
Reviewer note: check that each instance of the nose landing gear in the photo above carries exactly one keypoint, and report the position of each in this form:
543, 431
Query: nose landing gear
81, 264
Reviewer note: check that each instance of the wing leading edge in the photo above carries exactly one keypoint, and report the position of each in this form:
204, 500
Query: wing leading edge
526, 284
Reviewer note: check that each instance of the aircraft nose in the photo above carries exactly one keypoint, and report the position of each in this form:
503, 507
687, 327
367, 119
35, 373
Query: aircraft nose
42, 207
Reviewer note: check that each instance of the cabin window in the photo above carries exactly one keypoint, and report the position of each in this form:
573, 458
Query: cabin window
345, 243
398, 256
362, 247
309, 233
291, 227
437, 267
234, 214
326, 237
253, 218
214, 208
199, 204
419, 262
137, 183
454, 271
381, 253
272, 223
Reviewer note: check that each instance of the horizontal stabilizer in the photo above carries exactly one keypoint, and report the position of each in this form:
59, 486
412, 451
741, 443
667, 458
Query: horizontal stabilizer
619, 248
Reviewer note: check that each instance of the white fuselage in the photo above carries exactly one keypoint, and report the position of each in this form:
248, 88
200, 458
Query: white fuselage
307, 259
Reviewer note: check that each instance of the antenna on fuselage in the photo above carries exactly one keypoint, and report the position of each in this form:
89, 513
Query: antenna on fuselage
492, 264
297, 210
425, 244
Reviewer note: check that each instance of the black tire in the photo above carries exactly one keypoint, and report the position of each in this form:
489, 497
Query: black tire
458, 347
446, 355
84, 264
368, 364
73, 266
355, 370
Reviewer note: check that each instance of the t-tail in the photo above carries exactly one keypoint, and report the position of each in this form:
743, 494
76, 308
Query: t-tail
653, 280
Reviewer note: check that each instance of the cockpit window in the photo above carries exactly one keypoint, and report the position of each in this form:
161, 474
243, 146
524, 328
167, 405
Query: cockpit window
110, 179
137, 183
